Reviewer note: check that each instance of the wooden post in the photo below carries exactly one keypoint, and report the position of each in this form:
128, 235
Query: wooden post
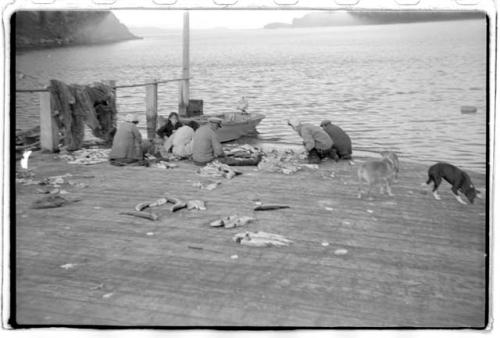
49, 132
184, 84
151, 108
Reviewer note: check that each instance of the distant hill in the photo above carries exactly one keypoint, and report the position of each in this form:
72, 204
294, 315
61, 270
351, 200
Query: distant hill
153, 31
36, 29
333, 18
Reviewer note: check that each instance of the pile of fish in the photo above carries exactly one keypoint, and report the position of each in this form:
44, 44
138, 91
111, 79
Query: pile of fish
261, 239
242, 151
86, 156
217, 169
285, 162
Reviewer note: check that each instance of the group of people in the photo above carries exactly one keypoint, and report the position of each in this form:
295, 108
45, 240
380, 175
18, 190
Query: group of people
188, 140
200, 143
325, 140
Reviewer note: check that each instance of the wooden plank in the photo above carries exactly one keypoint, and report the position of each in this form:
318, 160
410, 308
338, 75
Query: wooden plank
412, 261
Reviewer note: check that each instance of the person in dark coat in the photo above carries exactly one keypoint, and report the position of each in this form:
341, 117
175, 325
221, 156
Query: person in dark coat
168, 128
317, 142
341, 141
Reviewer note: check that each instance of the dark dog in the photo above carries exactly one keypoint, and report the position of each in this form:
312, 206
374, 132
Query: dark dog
458, 178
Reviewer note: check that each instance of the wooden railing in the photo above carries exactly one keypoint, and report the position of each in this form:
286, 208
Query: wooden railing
49, 133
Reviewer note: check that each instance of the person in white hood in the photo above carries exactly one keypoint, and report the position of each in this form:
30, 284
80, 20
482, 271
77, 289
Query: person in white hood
317, 142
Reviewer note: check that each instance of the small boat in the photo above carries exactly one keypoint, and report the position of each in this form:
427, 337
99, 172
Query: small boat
234, 125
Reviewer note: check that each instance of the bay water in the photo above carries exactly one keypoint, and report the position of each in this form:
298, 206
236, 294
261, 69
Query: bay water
393, 87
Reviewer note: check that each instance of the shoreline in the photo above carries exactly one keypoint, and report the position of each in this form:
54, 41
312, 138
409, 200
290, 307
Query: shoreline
31, 48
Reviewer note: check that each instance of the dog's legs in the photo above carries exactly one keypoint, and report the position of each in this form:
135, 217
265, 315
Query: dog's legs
437, 182
454, 191
459, 199
388, 188
360, 194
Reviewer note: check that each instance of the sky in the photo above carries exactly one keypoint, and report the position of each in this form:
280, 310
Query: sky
207, 19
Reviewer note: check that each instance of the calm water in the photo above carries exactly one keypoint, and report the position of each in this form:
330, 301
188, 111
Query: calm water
396, 87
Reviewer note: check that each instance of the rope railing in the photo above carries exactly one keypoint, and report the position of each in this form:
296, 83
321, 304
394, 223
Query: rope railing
38, 90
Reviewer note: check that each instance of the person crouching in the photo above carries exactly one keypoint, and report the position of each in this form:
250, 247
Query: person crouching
206, 146
128, 148
181, 141
341, 141
316, 141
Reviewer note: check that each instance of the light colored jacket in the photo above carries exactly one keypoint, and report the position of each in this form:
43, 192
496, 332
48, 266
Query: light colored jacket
127, 142
181, 141
314, 137
206, 146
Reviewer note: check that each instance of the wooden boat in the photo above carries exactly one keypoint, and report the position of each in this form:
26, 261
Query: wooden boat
234, 125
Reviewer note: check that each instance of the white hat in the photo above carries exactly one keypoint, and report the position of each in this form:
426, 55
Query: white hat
215, 120
294, 123
132, 118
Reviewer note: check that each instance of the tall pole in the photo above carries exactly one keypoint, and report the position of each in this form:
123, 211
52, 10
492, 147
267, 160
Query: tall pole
184, 90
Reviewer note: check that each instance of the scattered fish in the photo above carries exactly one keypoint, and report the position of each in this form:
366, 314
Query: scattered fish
340, 252
325, 244
97, 287
232, 221
108, 295
196, 204
147, 215
68, 266
270, 207
261, 239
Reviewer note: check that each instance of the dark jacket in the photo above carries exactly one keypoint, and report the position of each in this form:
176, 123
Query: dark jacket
341, 141
167, 129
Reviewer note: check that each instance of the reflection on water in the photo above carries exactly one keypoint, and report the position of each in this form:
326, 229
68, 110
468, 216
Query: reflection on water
396, 87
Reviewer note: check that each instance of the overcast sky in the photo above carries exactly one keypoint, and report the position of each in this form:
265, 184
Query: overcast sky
242, 19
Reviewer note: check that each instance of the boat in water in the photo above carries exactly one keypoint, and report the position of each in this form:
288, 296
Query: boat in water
234, 125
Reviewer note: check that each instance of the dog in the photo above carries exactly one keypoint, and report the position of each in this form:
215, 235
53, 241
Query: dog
377, 172
394, 159
458, 179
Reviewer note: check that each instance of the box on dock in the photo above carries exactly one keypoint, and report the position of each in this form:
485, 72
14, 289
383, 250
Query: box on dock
195, 108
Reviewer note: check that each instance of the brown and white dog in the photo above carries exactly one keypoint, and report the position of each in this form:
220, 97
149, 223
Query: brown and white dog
378, 172
458, 179
393, 158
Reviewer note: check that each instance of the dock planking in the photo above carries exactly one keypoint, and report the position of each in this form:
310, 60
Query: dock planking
411, 261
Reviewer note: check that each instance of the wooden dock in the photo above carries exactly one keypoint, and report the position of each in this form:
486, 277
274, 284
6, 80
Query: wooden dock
410, 261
